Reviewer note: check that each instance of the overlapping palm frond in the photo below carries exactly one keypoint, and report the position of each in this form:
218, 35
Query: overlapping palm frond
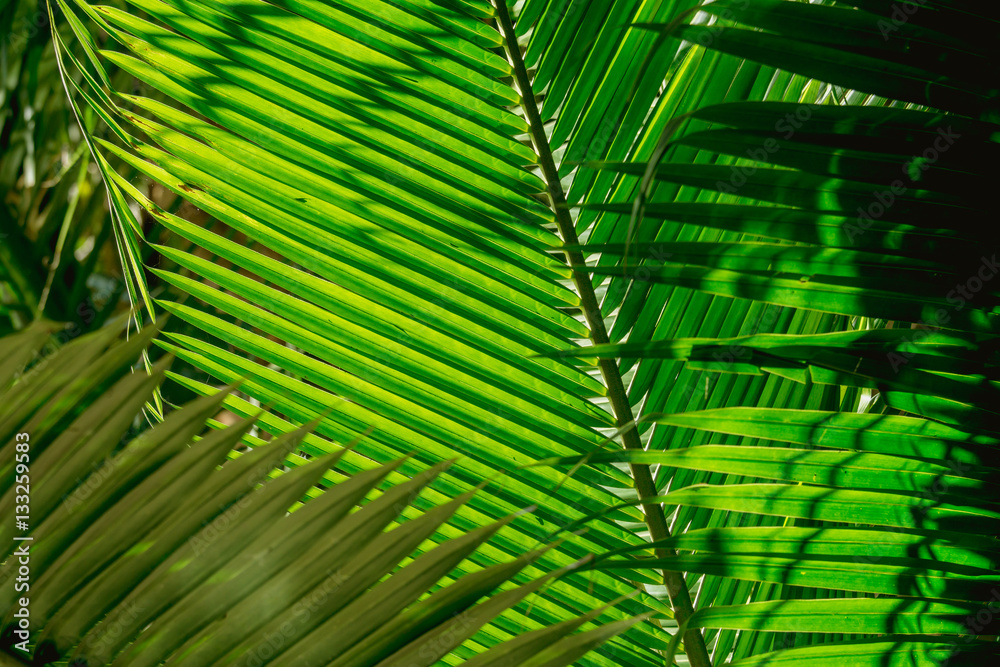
144, 551
440, 206
373, 148
863, 207
644, 310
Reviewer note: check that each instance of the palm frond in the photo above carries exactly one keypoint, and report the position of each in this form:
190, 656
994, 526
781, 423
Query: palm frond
144, 551
428, 214
862, 204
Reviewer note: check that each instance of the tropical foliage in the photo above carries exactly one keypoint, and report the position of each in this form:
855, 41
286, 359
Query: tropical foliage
144, 551
750, 242
55, 257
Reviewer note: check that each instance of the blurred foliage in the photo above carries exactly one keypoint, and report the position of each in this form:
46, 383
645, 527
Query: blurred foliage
57, 257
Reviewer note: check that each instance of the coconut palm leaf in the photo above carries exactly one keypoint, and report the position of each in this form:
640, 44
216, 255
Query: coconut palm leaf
436, 202
873, 210
144, 550
413, 286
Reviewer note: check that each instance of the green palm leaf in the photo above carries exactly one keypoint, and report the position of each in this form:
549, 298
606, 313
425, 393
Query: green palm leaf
858, 180
145, 551
426, 215
407, 211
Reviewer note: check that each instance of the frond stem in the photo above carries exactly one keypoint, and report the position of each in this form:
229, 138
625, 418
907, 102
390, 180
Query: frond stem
680, 598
